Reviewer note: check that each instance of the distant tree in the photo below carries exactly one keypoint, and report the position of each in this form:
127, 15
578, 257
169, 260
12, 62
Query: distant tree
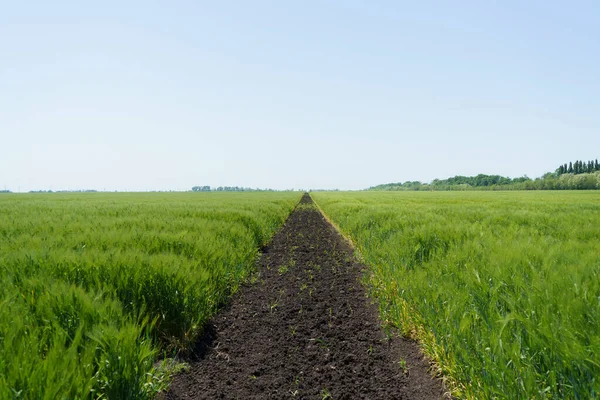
201, 189
570, 170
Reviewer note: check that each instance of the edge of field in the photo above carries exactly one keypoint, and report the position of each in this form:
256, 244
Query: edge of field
410, 328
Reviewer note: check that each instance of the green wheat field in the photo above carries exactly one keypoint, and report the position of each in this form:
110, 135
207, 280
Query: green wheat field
502, 289
95, 286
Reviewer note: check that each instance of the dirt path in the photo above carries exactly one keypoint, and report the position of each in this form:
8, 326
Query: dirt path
304, 330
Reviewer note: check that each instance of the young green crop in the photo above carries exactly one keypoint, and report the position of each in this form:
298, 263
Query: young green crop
95, 284
503, 289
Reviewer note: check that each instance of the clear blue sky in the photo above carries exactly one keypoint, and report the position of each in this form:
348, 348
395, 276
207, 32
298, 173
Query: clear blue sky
146, 95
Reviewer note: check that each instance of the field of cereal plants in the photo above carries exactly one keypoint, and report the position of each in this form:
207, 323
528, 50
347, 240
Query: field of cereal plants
96, 286
502, 289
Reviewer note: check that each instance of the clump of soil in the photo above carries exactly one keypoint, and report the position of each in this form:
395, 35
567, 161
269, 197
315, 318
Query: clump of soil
304, 330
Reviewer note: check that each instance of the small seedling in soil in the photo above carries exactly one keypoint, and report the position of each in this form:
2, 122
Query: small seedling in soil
403, 365
282, 269
254, 277
325, 395
293, 329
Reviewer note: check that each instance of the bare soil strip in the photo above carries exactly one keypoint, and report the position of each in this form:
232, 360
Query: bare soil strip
304, 330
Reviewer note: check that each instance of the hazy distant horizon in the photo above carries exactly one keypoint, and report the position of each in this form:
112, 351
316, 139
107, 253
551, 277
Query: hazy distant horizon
341, 95
215, 187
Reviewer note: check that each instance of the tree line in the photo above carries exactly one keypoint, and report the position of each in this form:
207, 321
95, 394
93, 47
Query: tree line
578, 167
458, 182
584, 176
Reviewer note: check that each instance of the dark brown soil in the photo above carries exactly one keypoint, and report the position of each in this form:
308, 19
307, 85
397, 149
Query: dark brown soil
304, 330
